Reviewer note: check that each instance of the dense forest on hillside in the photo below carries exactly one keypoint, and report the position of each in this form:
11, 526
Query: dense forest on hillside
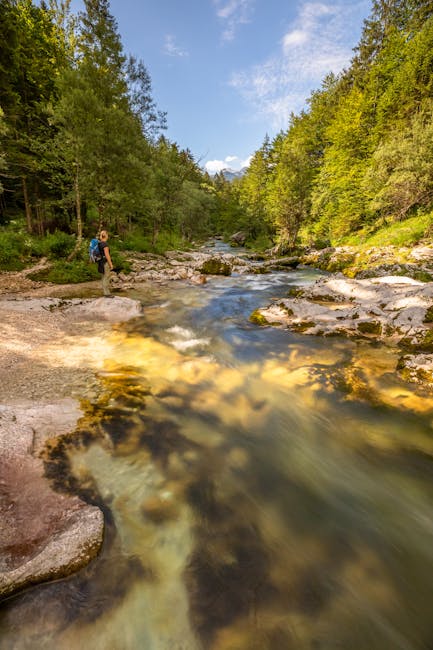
360, 156
83, 146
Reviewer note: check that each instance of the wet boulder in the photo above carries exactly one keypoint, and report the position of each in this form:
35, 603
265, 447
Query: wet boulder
238, 238
215, 266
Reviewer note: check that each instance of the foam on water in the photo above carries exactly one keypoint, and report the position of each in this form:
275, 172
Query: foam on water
185, 339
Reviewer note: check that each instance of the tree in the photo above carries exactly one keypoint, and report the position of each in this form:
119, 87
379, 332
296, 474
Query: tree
400, 176
253, 190
338, 201
140, 97
34, 50
296, 157
3, 131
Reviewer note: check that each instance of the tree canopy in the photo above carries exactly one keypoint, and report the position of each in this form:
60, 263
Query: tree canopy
82, 143
361, 153
83, 146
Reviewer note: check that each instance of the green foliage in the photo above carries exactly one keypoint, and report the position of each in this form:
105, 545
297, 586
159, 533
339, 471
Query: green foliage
138, 241
253, 191
400, 233
13, 251
361, 156
80, 131
62, 272
81, 147
260, 243
56, 245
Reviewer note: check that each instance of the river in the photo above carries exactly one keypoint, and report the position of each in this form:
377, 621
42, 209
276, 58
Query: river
262, 489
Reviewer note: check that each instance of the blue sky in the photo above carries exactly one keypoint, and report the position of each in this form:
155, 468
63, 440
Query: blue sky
228, 72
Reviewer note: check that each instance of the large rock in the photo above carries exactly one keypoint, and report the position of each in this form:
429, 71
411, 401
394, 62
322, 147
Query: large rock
238, 238
114, 309
388, 308
394, 309
215, 266
44, 535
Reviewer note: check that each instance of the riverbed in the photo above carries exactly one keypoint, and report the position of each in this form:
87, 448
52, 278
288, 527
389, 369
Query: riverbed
261, 489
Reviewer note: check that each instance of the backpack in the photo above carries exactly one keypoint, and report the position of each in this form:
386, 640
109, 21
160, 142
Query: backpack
94, 251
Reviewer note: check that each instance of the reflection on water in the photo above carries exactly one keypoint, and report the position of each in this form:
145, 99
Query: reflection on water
262, 490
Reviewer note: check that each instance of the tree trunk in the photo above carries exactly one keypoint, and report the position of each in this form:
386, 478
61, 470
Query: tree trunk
78, 208
155, 232
101, 217
77, 246
27, 206
39, 218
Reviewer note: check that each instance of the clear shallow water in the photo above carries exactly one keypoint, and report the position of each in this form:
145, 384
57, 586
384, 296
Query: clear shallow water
262, 490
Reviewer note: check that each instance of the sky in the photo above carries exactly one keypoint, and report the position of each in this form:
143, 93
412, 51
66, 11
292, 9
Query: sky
230, 72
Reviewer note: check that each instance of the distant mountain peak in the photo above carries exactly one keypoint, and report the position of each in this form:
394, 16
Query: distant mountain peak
231, 174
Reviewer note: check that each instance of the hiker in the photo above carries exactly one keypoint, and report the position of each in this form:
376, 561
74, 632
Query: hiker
105, 265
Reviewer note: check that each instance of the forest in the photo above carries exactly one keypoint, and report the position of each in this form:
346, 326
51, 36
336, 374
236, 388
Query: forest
83, 145
356, 166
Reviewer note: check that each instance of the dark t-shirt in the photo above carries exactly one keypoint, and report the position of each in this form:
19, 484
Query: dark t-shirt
102, 246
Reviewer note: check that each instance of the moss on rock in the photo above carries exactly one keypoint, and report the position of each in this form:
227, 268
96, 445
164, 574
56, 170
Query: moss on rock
295, 293
258, 318
370, 327
284, 307
215, 266
304, 326
428, 318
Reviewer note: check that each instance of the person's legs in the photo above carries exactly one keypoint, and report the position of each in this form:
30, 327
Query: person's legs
106, 280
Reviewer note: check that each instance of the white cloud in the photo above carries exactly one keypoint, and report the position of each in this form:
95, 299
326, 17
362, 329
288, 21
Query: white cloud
172, 49
296, 37
246, 162
233, 13
232, 162
215, 166
319, 41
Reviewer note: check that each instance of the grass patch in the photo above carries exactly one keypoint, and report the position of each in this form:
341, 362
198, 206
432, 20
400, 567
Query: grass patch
400, 233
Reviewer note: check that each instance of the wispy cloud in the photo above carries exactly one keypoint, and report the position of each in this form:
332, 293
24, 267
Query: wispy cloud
233, 13
232, 162
319, 41
172, 49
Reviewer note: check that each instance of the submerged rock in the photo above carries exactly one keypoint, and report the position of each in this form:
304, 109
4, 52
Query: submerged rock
417, 368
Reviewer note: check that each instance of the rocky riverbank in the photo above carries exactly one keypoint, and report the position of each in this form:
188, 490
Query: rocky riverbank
52, 345
396, 310
50, 352
382, 293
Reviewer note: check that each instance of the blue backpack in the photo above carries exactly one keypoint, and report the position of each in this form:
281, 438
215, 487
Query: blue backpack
94, 251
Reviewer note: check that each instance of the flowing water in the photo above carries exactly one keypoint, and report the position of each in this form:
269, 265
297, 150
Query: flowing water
262, 490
